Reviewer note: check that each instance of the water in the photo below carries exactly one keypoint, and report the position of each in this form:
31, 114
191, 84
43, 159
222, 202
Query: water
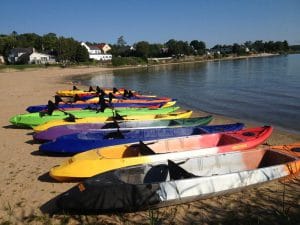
262, 90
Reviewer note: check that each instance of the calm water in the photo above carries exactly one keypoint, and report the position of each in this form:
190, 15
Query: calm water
263, 90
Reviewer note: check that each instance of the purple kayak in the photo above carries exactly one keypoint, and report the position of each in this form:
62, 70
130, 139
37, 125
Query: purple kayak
57, 131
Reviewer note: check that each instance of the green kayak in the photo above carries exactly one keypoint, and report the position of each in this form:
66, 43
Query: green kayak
34, 119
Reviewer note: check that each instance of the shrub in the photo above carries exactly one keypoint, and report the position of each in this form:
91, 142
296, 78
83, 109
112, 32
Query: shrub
127, 61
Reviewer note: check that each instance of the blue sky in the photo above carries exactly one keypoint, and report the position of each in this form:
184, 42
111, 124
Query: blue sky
156, 21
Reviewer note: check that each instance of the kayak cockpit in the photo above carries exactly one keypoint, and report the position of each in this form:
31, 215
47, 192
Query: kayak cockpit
206, 166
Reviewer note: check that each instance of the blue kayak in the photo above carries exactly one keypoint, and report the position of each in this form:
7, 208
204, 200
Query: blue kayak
80, 142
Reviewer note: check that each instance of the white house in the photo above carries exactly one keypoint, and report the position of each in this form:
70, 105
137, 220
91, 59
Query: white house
40, 58
96, 53
104, 47
29, 55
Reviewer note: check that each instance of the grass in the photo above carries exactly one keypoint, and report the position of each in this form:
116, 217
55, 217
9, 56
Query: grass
128, 61
24, 67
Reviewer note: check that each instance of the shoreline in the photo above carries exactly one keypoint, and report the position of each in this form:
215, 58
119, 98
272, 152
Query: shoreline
77, 70
26, 185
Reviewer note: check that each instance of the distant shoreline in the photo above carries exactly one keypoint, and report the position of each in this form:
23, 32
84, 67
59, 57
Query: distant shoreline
76, 70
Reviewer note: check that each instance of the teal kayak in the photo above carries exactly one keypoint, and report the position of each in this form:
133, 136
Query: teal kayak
35, 119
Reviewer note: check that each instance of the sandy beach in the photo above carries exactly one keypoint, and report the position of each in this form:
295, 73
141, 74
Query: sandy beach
25, 186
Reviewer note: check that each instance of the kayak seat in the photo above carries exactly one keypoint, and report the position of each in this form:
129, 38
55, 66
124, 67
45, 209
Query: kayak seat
157, 174
177, 173
111, 125
145, 150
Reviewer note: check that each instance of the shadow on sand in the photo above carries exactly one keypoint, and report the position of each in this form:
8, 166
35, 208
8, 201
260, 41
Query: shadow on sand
40, 153
11, 126
32, 142
47, 178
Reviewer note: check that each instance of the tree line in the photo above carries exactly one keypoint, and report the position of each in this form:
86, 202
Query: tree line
64, 49
70, 50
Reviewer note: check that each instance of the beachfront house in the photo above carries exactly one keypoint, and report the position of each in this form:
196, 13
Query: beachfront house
29, 56
104, 48
96, 53
219, 49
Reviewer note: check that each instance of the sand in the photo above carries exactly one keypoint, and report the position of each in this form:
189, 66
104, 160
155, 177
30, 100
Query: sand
25, 185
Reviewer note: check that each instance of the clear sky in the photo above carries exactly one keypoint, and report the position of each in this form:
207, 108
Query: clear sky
156, 21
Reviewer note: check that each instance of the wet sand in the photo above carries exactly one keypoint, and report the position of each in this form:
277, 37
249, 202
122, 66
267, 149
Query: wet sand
26, 187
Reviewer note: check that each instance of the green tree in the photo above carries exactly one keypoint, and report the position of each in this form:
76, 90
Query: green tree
155, 50
6, 44
142, 49
198, 47
259, 46
121, 42
286, 46
82, 54
184, 48
67, 48
50, 42
178, 47
248, 44
236, 48
14, 34
173, 48
28, 40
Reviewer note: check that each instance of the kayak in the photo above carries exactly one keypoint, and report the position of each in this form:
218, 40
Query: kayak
117, 98
75, 106
90, 163
168, 182
34, 119
173, 115
81, 92
57, 131
81, 142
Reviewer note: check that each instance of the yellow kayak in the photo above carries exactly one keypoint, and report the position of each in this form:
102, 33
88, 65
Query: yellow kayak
100, 160
169, 116
169, 104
